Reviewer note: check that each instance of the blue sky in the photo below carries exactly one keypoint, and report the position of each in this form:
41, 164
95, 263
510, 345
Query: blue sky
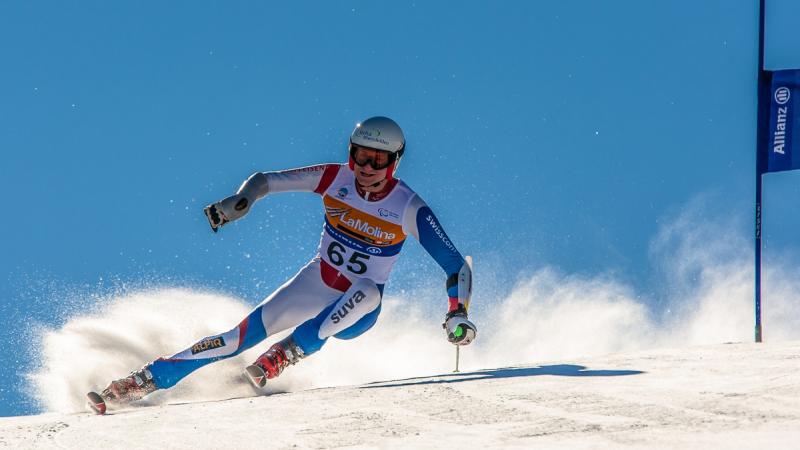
556, 134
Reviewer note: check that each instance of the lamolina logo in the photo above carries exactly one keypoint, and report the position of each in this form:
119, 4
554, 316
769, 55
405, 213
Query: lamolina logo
782, 95
365, 227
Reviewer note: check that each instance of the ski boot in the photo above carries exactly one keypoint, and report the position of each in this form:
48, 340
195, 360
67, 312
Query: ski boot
123, 391
273, 361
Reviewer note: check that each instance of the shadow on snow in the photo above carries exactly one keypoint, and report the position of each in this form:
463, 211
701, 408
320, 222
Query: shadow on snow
562, 370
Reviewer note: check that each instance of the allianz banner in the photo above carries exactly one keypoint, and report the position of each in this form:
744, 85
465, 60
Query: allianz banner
784, 121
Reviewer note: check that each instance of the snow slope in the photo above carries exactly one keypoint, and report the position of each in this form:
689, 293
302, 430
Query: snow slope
719, 396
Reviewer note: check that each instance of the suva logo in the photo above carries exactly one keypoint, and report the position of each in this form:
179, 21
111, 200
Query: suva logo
782, 95
374, 250
340, 314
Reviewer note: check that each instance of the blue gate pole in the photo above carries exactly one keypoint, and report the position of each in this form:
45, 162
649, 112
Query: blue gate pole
758, 257
761, 137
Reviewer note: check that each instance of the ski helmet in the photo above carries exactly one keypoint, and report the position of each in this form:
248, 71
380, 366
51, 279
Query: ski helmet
379, 133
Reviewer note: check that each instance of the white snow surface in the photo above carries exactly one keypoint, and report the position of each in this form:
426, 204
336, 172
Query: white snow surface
728, 396
580, 361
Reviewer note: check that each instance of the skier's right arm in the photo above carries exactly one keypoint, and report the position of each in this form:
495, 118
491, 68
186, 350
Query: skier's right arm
305, 179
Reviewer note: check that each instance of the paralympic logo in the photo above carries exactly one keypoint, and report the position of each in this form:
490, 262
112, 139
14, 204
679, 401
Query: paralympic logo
386, 213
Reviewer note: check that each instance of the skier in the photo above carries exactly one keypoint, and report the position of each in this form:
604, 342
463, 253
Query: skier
368, 215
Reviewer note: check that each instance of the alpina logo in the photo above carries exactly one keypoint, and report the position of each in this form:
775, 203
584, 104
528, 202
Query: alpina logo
208, 344
782, 95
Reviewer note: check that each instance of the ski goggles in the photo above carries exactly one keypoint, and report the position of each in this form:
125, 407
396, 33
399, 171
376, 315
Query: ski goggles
377, 159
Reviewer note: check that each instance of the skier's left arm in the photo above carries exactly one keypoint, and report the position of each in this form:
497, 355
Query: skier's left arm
421, 222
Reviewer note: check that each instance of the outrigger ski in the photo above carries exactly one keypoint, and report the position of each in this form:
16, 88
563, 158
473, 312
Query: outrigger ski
96, 402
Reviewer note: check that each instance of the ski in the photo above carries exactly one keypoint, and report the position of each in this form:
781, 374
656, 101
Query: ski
96, 403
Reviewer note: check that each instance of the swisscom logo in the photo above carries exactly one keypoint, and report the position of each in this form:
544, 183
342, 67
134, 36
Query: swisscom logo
782, 95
